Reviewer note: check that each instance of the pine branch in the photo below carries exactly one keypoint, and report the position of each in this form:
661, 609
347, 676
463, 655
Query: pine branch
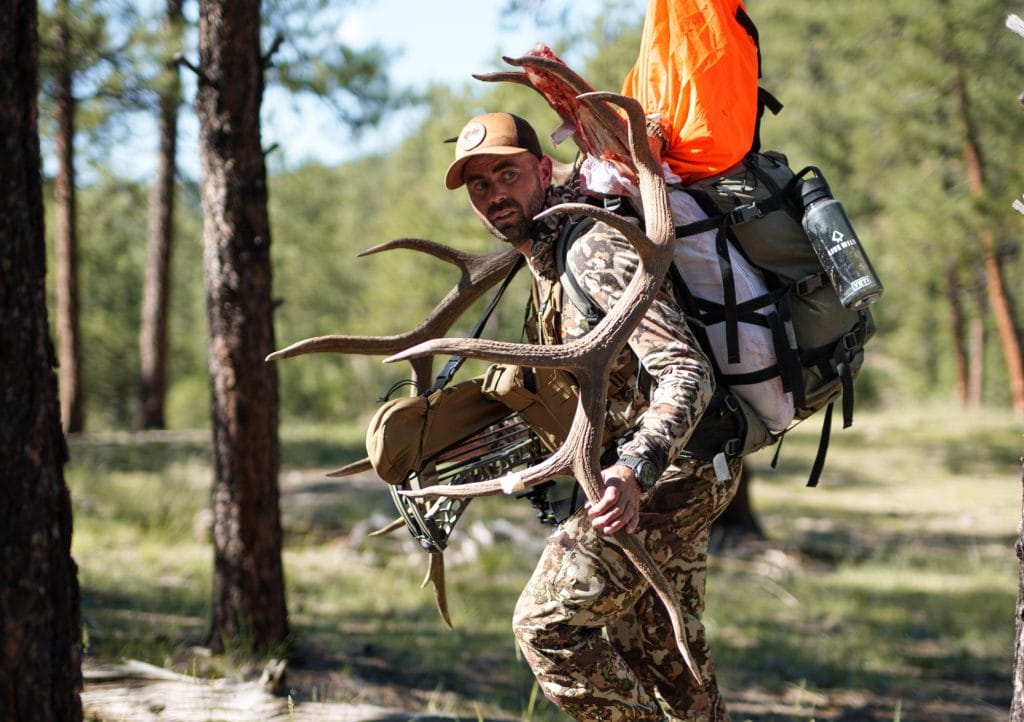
181, 60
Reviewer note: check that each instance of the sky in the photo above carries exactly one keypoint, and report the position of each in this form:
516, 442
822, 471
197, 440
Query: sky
440, 42
443, 41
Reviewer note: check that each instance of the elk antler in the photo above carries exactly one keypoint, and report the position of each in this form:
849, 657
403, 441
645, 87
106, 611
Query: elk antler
479, 273
590, 358
356, 467
600, 130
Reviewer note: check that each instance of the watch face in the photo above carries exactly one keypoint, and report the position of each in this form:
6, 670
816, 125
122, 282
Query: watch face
643, 470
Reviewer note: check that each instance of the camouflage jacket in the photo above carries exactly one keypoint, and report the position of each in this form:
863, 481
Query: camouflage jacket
655, 411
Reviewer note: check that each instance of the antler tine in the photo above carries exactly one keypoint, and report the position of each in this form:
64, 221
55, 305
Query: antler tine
356, 467
391, 526
657, 212
463, 260
611, 124
480, 272
563, 71
617, 325
435, 577
508, 76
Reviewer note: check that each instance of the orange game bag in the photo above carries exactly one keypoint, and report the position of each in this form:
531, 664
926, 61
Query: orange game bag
698, 68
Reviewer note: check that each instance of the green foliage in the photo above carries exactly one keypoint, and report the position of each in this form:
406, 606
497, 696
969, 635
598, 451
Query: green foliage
112, 255
112, 282
112, 58
308, 60
870, 97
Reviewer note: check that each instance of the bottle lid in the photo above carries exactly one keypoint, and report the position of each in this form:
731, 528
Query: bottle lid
814, 189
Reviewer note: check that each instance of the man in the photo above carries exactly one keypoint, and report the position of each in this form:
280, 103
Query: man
597, 638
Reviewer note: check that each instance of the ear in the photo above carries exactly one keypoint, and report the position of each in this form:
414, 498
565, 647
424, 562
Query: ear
545, 170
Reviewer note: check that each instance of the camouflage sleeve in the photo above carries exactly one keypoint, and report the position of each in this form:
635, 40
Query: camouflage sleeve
604, 262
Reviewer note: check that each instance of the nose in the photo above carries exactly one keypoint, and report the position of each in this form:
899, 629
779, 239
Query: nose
498, 194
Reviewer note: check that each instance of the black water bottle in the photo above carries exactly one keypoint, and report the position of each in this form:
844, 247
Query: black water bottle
838, 248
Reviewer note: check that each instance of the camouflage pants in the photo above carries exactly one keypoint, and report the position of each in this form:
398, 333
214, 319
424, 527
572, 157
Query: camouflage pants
598, 638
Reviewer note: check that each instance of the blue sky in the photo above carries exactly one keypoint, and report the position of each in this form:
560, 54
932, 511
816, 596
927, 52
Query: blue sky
441, 42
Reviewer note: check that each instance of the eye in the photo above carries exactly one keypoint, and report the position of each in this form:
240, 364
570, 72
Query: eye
478, 185
510, 175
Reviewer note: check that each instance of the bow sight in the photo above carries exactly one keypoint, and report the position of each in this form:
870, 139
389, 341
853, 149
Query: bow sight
503, 447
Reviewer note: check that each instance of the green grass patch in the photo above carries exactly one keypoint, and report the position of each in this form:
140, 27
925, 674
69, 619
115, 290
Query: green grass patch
885, 594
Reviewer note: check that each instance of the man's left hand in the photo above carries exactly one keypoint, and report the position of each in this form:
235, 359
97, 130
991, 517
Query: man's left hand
619, 508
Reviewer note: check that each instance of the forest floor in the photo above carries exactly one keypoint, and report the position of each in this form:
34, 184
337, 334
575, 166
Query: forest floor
885, 595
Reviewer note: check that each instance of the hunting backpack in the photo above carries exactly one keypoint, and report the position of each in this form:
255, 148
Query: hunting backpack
755, 209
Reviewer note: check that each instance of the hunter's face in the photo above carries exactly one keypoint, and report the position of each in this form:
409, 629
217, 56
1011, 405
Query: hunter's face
507, 191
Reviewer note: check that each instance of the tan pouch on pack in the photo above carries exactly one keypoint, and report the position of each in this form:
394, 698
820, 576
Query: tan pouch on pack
544, 398
407, 430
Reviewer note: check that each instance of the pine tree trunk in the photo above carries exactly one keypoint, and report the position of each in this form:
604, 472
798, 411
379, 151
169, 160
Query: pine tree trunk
249, 603
1017, 706
40, 633
1006, 324
65, 232
956, 326
976, 380
159, 242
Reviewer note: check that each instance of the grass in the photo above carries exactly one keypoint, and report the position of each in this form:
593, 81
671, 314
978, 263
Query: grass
885, 594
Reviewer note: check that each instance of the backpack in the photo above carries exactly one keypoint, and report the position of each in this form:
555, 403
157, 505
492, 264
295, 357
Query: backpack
754, 210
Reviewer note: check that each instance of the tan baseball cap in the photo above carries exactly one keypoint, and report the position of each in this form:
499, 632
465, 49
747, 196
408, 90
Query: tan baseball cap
490, 134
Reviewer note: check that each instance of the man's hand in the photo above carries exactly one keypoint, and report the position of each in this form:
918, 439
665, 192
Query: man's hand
619, 508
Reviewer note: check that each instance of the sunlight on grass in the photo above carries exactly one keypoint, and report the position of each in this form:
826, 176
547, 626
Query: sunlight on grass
895, 577
890, 584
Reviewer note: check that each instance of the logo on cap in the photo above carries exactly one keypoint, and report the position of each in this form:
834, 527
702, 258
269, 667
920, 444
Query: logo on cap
472, 136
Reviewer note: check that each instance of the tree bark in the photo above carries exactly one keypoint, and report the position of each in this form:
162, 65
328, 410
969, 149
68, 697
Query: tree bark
65, 231
956, 327
249, 603
160, 240
1006, 325
40, 633
976, 379
1017, 705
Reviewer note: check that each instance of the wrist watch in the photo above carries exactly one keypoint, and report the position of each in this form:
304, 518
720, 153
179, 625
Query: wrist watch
644, 471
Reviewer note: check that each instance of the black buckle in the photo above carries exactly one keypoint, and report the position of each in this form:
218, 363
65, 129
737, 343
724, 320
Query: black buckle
851, 342
732, 447
806, 286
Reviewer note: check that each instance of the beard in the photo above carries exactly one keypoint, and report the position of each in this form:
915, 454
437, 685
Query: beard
513, 232
519, 229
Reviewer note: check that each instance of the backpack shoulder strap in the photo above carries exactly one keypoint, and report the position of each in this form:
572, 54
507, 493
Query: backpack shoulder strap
455, 362
588, 307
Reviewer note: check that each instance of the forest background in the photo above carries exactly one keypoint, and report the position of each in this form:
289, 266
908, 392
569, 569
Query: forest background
911, 113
